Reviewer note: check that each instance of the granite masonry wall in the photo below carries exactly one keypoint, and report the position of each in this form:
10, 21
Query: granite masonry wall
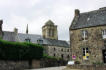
94, 42
13, 65
33, 64
58, 51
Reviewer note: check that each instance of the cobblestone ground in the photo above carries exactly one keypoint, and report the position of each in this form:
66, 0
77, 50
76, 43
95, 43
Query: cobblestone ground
51, 68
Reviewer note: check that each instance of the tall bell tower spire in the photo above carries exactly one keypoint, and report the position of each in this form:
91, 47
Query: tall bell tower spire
27, 29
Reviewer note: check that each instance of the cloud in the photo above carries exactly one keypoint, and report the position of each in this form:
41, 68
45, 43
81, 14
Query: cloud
19, 13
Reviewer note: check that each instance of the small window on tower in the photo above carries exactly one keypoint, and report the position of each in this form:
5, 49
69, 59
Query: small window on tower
52, 33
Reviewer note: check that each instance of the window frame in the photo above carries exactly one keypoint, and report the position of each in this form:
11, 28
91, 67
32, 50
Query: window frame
84, 34
85, 53
104, 33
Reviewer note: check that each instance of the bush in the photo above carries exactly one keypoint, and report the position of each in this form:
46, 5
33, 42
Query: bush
77, 62
20, 51
51, 57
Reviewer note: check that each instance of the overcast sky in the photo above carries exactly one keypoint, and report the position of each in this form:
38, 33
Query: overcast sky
19, 13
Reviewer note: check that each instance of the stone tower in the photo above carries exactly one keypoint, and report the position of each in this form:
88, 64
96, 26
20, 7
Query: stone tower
1, 32
49, 30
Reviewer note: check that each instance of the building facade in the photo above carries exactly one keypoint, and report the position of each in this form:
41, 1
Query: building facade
88, 37
53, 46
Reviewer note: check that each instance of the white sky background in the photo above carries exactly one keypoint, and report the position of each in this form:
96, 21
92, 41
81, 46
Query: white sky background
19, 13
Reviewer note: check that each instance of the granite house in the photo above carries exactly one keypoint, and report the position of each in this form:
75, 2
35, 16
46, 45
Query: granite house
88, 36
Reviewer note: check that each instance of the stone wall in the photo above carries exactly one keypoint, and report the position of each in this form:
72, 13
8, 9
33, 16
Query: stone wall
47, 63
58, 51
87, 67
33, 64
13, 65
94, 42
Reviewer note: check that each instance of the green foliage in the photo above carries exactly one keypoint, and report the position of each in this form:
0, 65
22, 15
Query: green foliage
20, 51
51, 57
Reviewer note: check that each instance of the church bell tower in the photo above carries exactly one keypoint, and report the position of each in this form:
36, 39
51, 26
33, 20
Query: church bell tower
49, 30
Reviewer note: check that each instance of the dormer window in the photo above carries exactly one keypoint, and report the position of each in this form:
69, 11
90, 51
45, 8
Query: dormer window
84, 34
27, 40
104, 33
40, 41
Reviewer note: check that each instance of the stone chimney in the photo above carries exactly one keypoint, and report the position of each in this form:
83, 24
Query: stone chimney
16, 30
1, 32
77, 12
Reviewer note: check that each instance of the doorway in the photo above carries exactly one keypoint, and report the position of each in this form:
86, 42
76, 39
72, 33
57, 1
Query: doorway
104, 56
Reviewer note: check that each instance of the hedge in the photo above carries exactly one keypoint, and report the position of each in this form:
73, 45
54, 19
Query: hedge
20, 51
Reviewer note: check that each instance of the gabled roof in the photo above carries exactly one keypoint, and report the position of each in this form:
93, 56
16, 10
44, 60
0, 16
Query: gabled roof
90, 19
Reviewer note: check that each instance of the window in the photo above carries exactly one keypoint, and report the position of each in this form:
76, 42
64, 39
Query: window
67, 50
62, 56
54, 49
85, 53
105, 43
104, 33
40, 41
52, 33
49, 34
27, 40
62, 50
54, 55
68, 56
84, 34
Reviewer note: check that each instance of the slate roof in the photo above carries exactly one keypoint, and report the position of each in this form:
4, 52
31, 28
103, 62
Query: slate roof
90, 19
33, 37
11, 36
49, 22
53, 42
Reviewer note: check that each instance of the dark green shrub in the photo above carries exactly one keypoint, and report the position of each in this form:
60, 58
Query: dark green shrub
20, 51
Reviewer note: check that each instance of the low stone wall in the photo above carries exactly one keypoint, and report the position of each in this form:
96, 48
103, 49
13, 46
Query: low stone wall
47, 63
13, 65
31, 64
87, 67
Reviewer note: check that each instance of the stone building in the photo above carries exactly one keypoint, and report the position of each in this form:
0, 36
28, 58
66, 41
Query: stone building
49, 40
53, 46
88, 36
